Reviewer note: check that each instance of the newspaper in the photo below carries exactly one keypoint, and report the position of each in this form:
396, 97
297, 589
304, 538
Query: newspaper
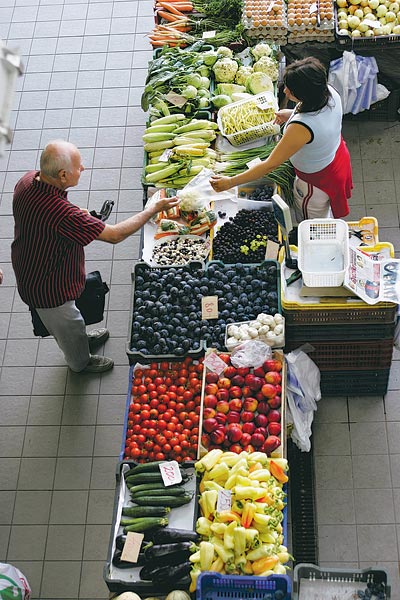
373, 276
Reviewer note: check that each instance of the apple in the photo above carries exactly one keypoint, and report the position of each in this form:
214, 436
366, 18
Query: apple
250, 404
272, 365
226, 358
210, 401
274, 428
257, 440
235, 392
223, 406
274, 402
274, 416
243, 371
246, 391
254, 383
247, 416
221, 418
268, 390
238, 380
210, 425
258, 372
236, 448
226, 443
263, 407
235, 404
234, 432
230, 372
259, 396
261, 430
249, 448
248, 427
261, 420
233, 416
273, 377
271, 443
209, 413
245, 439
218, 435
211, 388
211, 377
222, 394
205, 441
278, 388
224, 382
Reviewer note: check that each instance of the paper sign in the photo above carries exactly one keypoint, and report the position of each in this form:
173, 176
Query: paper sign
176, 99
255, 161
209, 307
224, 501
313, 8
208, 35
272, 250
371, 23
170, 473
131, 547
214, 363
165, 155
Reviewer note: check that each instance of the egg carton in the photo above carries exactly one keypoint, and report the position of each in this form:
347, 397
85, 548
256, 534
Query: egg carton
312, 37
277, 342
268, 37
307, 16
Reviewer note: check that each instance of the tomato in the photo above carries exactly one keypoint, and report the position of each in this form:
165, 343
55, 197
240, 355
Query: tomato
145, 414
162, 408
153, 373
151, 432
130, 416
136, 407
185, 444
183, 416
139, 373
167, 448
158, 380
142, 389
144, 453
174, 419
172, 395
141, 438
190, 405
156, 448
183, 373
154, 413
136, 428
168, 414
177, 449
197, 410
187, 360
160, 456
153, 396
134, 390
195, 430
172, 388
187, 423
136, 419
181, 381
147, 380
171, 426
149, 444
144, 398
174, 442
154, 365
154, 403
168, 434
163, 398
172, 404
164, 366
135, 452
151, 387
179, 427
168, 381
187, 395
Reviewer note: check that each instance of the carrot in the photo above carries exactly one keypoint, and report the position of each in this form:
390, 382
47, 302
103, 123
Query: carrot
171, 8
167, 16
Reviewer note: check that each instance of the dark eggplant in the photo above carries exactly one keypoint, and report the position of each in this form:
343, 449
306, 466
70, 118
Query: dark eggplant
157, 551
171, 573
169, 536
124, 564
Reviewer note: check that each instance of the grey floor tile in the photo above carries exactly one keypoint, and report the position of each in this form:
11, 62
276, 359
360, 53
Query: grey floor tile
89, 80
69, 45
41, 441
21, 353
120, 295
61, 579
111, 410
379, 192
377, 540
45, 410
115, 381
32, 507
96, 542
363, 409
122, 42
387, 214
32, 569
82, 383
59, 99
98, 27
80, 410
337, 543
32, 101
49, 354
26, 140
117, 322
374, 506
4, 541
14, 410
108, 440
371, 471
36, 473
115, 348
4, 320
63, 81
332, 410
73, 473
123, 25
95, 43
92, 584
11, 441
393, 430
50, 380
331, 439
27, 541
395, 469
21, 326
7, 499
394, 377
64, 542
9, 469
69, 507
368, 438
76, 440
392, 406
103, 473
121, 271
6, 302
100, 508
335, 507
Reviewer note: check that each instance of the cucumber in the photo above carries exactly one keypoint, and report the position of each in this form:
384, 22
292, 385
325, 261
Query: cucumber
180, 491
145, 487
146, 523
151, 477
171, 501
145, 468
145, 511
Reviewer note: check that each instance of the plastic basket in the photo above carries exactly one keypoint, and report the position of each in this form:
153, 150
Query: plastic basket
357, 331
343, 356
316, 575
354, 383
347, 42
264, 101
323, 251
214, 586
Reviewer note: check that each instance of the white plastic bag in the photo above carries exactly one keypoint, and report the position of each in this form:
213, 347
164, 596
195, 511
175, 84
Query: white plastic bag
303, 392
13, 584
198, 192
251, 354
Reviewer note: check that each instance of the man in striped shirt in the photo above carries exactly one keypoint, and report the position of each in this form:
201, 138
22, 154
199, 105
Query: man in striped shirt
48, 256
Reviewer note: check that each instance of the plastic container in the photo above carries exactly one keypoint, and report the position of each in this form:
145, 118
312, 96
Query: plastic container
347, 42
354, 383
323, 246
368, 331
214, 586
279, 342
314, 576
264, 100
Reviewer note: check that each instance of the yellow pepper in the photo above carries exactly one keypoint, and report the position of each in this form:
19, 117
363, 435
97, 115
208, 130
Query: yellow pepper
228, 536
264, 564
208, 502
226, 555
218, 565
220, 472
252, 538
261, 519
278, 472
208, 461
247, 568
203, 526
239, 539
212, 485
261, 552
260, 475
226, 516
206, 555
248, 513
193, 576
248, 493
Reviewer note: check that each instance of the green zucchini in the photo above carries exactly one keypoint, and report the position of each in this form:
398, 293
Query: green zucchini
145, 468
146, 523
145, 487
171, 501
145, 511
141, 478
166, 491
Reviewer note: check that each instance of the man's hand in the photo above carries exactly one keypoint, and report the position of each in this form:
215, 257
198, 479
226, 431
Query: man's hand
85, 210
220, 183
165, 204
1, 276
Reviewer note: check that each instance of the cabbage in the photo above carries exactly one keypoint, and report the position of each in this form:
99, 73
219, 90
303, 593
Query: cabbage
224, 52
259, 82
236, 96
229, 88
221, 100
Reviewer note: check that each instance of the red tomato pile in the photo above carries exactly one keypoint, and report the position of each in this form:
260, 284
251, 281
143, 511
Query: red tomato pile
163, 418
242, 408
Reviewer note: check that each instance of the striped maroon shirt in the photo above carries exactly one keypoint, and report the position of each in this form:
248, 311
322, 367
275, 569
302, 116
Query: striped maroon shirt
49, 236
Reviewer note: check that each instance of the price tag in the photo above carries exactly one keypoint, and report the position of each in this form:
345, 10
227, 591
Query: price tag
214, 363
372, 23
272, 250
165, 155
313, 8
255, 161
270, 6
176, 99
170, 473
224, 501
132, 545
207, 35
209, 307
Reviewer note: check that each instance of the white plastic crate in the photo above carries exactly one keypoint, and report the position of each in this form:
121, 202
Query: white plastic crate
256, 107
323, 246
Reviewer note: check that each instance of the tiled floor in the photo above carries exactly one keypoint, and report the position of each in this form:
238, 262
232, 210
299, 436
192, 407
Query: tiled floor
85, 64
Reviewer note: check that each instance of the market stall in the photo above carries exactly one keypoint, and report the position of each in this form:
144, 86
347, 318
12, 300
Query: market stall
203, 477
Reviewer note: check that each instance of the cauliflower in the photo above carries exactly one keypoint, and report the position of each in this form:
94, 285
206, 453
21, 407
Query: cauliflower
267, 65
225, 70
224, 52
243, 73
260, 50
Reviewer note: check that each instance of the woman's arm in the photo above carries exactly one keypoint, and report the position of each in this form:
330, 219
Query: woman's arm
294, 138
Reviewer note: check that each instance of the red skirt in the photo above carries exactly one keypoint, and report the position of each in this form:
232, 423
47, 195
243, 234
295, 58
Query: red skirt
335, 180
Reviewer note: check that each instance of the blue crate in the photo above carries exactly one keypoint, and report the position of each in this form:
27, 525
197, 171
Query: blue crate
213, 586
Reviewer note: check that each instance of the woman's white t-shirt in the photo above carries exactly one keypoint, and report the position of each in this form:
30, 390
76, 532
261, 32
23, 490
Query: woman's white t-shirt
325, 126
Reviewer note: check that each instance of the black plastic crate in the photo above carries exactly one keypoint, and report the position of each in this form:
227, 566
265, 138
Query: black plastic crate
354, 383
370, 331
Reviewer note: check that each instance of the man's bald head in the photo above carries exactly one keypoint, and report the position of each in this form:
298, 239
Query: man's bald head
57, 155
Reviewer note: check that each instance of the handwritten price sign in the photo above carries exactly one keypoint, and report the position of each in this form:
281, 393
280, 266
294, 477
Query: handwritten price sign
209, 307
170, 473
224, 501
214, 363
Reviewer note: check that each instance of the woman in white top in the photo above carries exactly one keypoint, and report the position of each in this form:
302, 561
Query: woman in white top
313, 142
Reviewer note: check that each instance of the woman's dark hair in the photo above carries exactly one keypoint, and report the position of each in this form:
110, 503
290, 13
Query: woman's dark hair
307, 81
